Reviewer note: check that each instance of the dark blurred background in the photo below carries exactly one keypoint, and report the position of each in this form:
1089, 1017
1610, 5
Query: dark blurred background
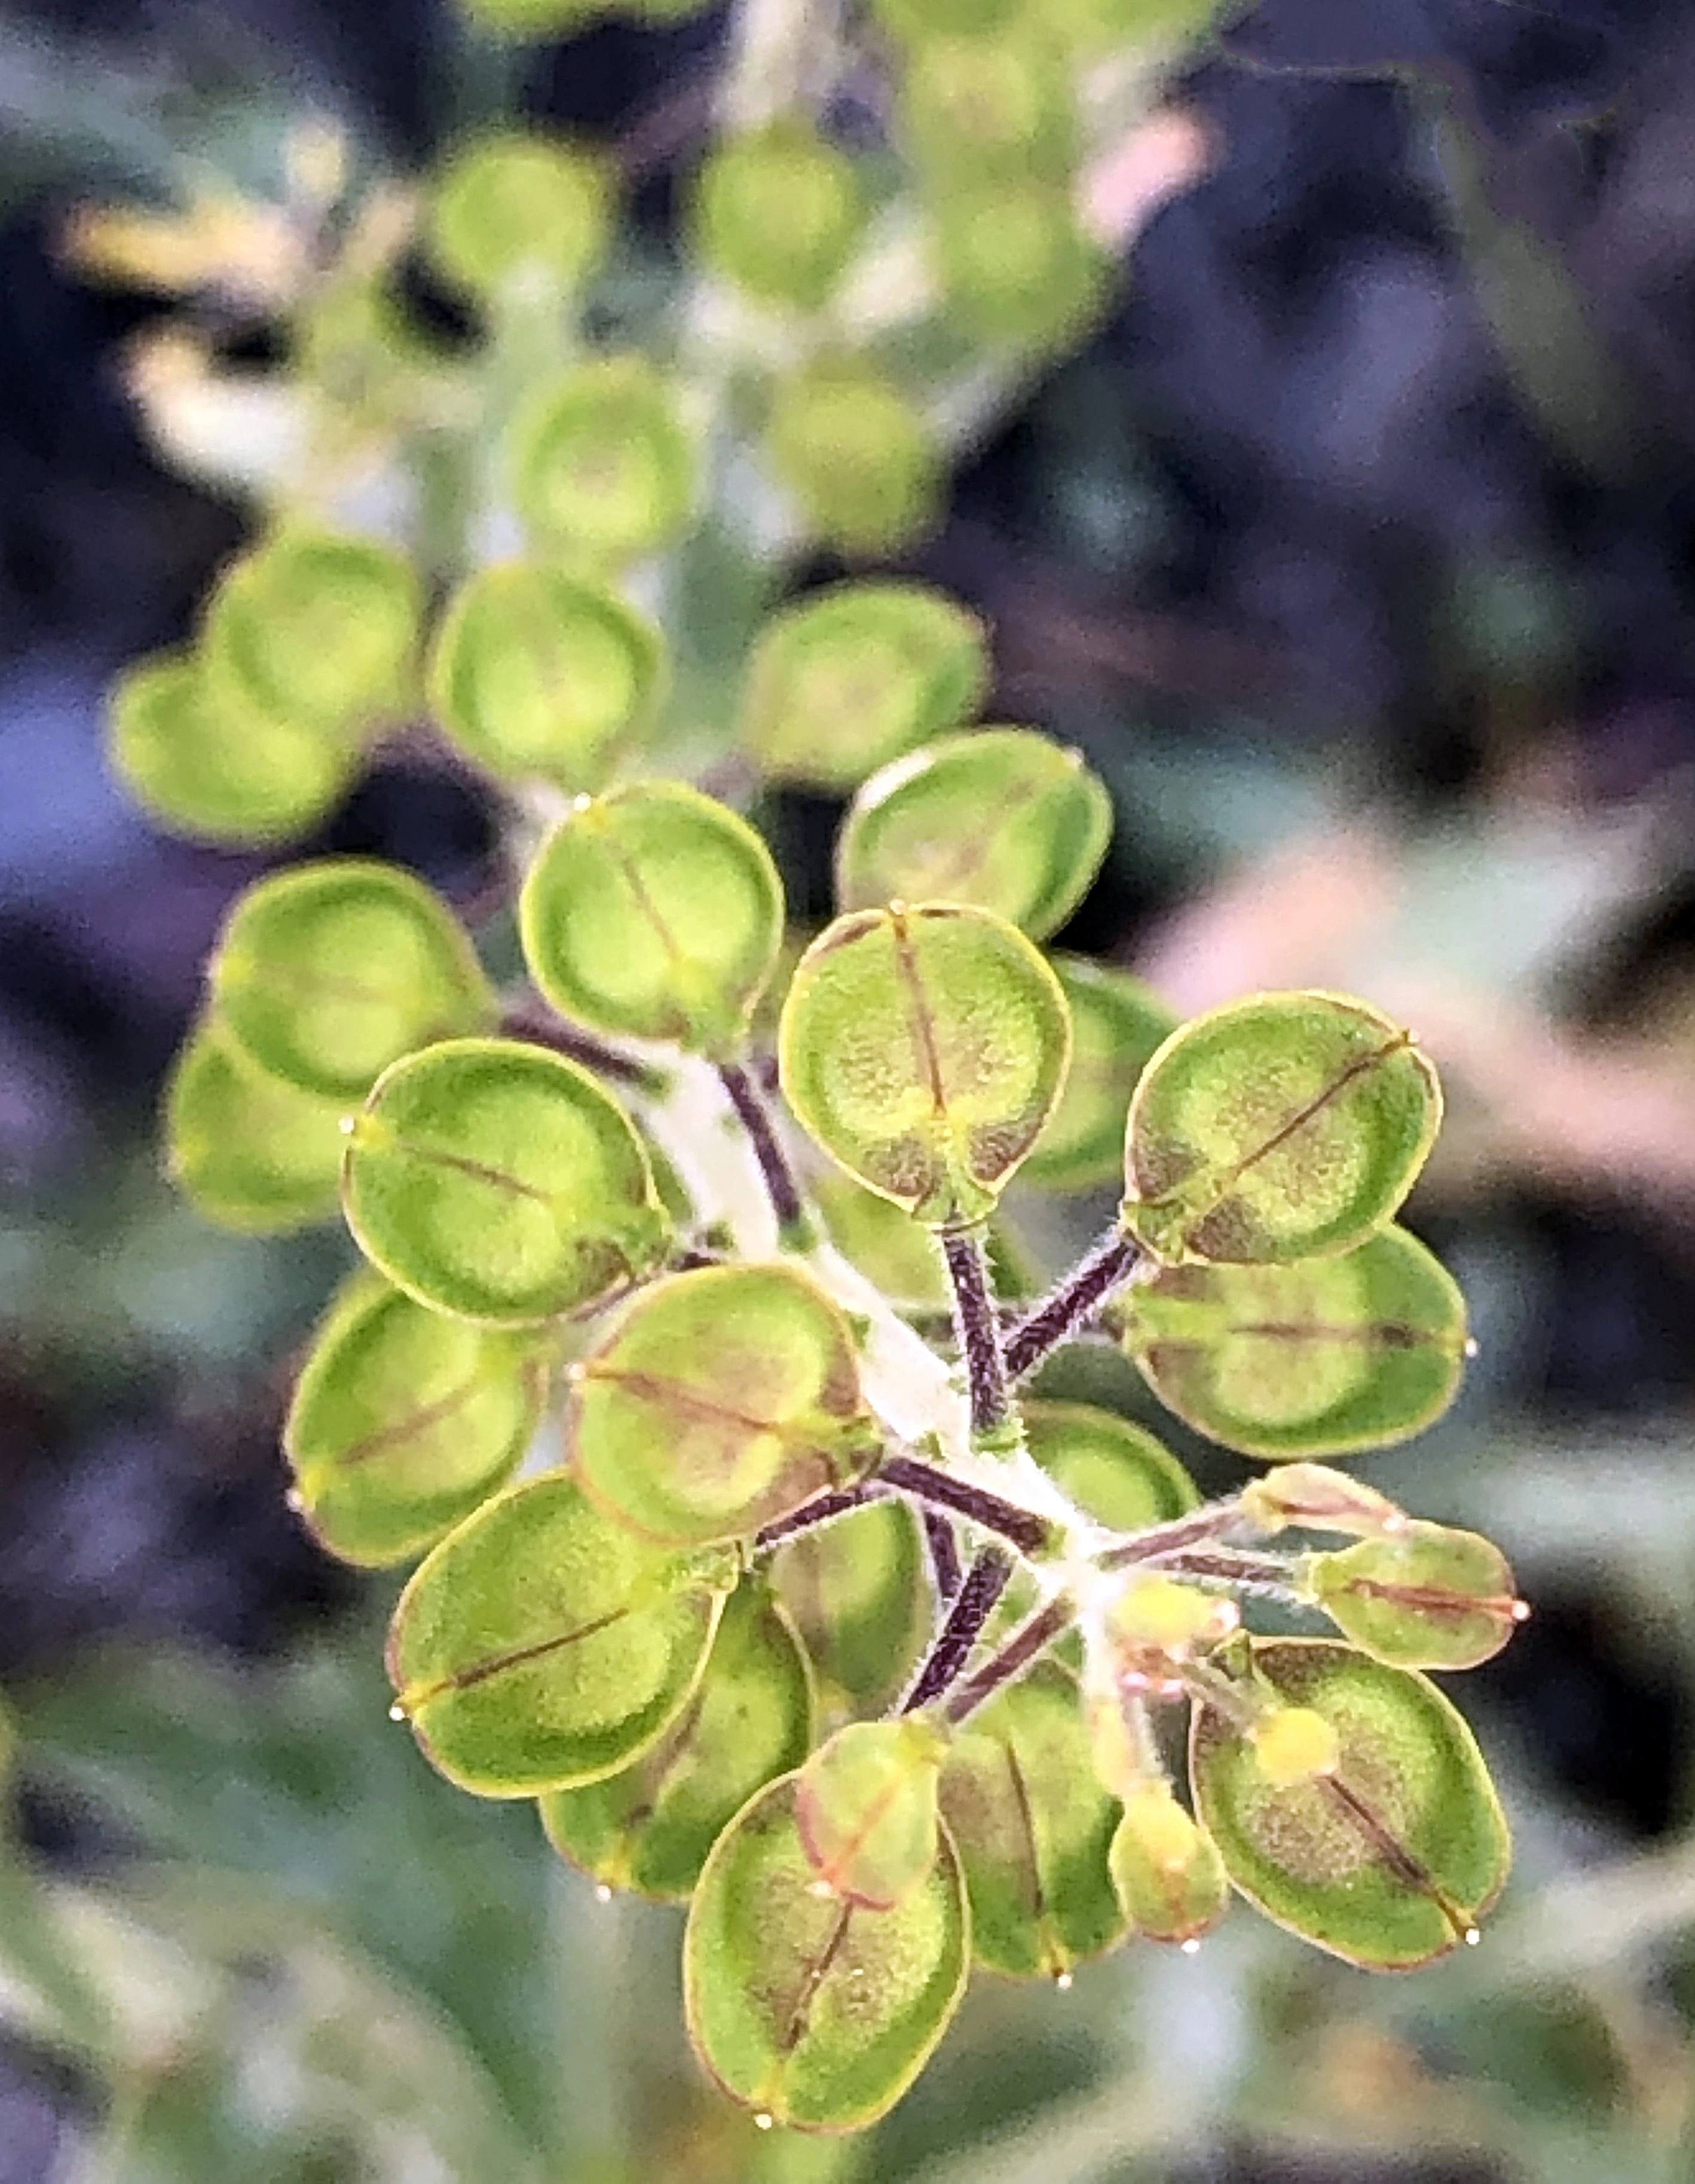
1358, 546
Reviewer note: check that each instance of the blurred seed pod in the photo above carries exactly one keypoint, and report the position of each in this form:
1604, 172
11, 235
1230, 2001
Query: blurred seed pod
1118, 1024
402, 1422
856, 454
247, 1151
841, 681
1002, 818
538, 674
778, 212
603, 467
217, 770
511, 212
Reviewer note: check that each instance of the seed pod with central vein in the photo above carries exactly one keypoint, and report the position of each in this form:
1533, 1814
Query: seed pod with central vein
1278, 1129
1004, 819
603, 466
542, 1644
654, 912
403, 1421
843, 680
723, 1399
865, 1804
498, 1181
1319, 1500
812, 2011
1424, 1596
328, 972
1317, 1359
1033, 1823
651, 1826
540, 674
1392, 1856
923, 1049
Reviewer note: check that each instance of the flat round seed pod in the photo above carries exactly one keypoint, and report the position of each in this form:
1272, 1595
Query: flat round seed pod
858, 1592
215, 772
1170, 1879
538, 674
650, 1827
1115, 1471
511, 208
857, 456
778, 212
654, 912
865, 1804
1004, 819
923, 1049
814, 2012
975, 108
1033, 1827
843, 680
915, 21
1282, 1127
603, 468
315, 627
326, 972
723, 1399
1317, 1359
542, 1645
1017, 268
247, 1151
1387, 1862
499, 1181
402, 1422
1118, 1024
1420, 1597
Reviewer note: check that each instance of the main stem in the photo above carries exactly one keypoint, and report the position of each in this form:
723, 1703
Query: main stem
974, 1605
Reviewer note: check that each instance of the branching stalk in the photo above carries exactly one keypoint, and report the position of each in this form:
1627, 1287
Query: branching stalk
1031, 1638
1029, 1534
795, 1228
984, 1582
979, 1330
1107, 1267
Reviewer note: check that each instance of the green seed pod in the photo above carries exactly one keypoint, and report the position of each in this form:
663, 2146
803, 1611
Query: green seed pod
1091, 26
1318, 1500
248, 1152
778, 212
649, 1827
528, 20
603, 466
1277, 1128
499, 1181
858, 1591
1115, 1471
1421, 1596
1034, 1826
542, 1645
924, 1050
217, 771
1170, 1879
1003, 819
865, 1804
1311, 1360
540, 675
888, 1246
982, 109
841, 681
1389, 1859
723, 1399
512, 210
326, 973
856, 454
1017, 268
916, 22
313, 626
656, 913
403, 1421
1118, 1024
815, 2013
